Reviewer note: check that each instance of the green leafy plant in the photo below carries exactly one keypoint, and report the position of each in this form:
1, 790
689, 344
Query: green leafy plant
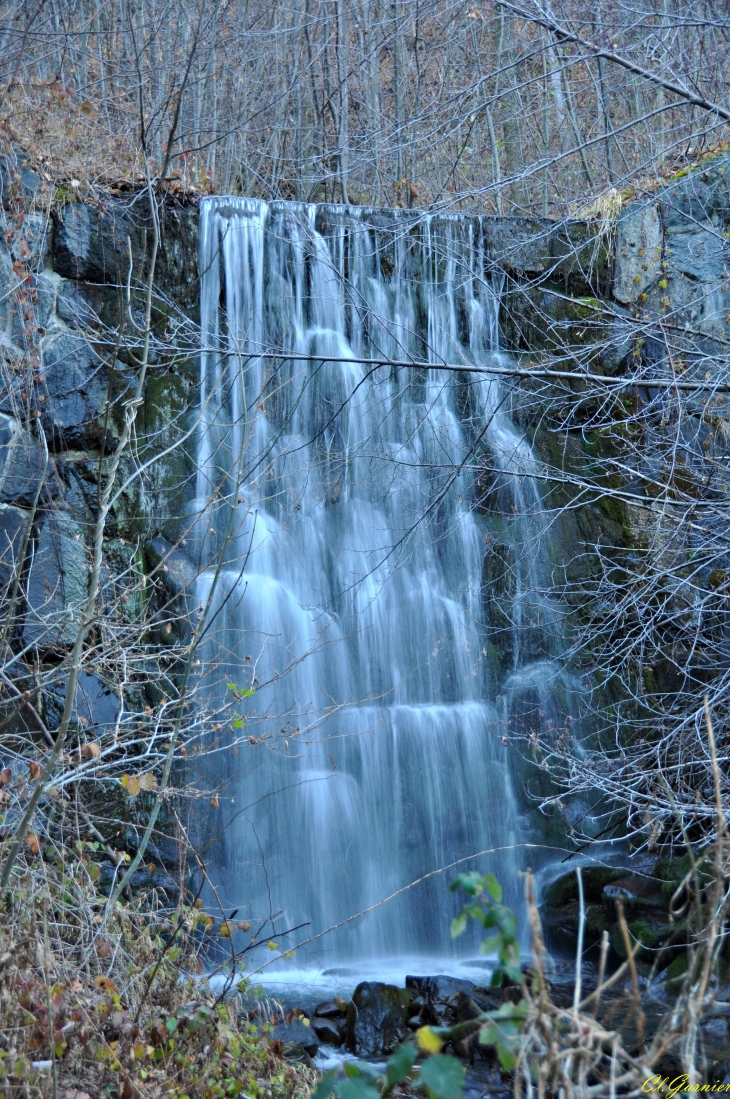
500, 1028
442, 1075
487, 909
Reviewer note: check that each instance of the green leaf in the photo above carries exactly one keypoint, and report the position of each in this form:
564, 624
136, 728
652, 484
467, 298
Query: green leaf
492, 886
491, 944
488, 1035
458, 925
400, 1063
356, 1087
509, 924
506, 1057
468, 882
325, 1085
171, 1024
443, 1076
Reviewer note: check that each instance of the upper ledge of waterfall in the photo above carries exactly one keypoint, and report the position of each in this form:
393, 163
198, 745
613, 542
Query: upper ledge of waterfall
673, 237
89, 242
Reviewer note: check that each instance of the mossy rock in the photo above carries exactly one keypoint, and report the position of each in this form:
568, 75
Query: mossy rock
675, 974
595, 879
653, 935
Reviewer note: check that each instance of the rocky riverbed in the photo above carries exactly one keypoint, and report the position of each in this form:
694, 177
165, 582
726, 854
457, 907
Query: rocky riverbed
378, 1017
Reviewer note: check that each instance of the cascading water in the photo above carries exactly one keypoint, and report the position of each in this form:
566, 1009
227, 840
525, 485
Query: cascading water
351, 599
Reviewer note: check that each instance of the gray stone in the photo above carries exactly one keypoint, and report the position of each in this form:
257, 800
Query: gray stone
440, 988
90, 243
331, 1009
9, 285
177, 572
327, 1031
297, 1055
22, 464
96, 705
37, 238
296, 1033
16, 175
76, 389
638, 252
377, 1018
35, 295
29, 242
73, 307
701, 195
57, 584
13, 527
700, 252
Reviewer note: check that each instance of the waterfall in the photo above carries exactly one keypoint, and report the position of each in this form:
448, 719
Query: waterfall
351, 600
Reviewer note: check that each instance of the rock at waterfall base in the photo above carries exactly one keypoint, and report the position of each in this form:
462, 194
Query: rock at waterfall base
330, 1031
297, 1034
377, 1018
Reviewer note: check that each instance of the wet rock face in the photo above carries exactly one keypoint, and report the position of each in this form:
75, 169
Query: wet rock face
58, 581
644, 892
14, 527
78, 384
377, 1018
93, 244
22, 464
296, 1034
62, 280
96, 706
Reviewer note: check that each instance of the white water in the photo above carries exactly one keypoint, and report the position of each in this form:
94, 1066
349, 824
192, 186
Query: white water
352, 594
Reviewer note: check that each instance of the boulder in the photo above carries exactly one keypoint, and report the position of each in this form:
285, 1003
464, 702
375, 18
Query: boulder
328, 1031
444, 998
440, 989
13, 528
57, 583
638, 252
22, 464
377, 1017
331, 1009
91, 243
9, 285
467, 1010
698, 195
297, 1034
76, 391
297, 1054
698, 251
176, 571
